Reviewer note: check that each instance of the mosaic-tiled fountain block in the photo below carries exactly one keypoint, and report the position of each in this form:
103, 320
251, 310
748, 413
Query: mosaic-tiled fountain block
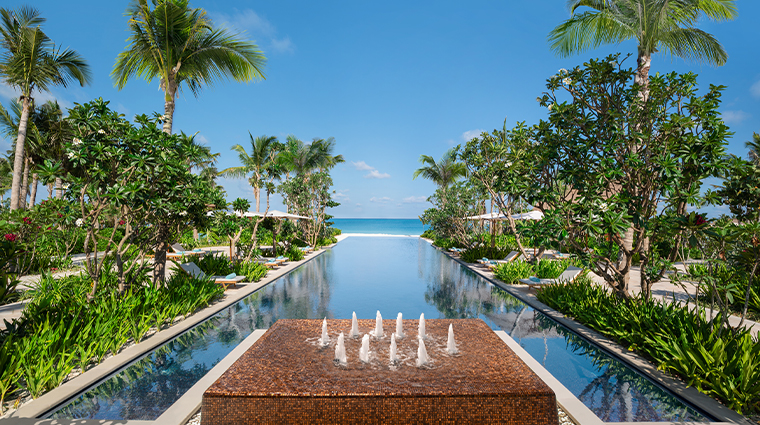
287, 377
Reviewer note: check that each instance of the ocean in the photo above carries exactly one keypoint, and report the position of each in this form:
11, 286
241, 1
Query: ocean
386, 226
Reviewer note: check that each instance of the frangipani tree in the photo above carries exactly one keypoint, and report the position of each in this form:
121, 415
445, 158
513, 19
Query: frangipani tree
138, 173
180, 46
632, 164
29, 62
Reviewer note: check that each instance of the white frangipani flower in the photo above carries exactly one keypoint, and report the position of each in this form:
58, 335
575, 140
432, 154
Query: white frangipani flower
551, 105
562, 71
71, 155
567, 81
101, 131
77, 142
79, 222
65, 186
183, 213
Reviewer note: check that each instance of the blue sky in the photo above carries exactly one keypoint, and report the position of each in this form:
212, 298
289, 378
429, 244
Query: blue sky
389, 80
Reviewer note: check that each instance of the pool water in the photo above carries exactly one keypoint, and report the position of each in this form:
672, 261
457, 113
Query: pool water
392, 275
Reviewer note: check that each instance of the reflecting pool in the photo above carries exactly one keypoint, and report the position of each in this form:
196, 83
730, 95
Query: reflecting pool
392, 275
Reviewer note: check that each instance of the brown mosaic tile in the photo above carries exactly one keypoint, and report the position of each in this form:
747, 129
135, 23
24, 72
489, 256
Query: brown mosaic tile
287, 378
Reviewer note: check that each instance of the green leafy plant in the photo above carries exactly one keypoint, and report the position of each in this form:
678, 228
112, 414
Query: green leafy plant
252, 270
513, 271
718, 363
472, 255
294, 254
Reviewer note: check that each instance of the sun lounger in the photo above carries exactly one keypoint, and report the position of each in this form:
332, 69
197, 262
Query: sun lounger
269, 262
567, 276
512, 256
180, 251
193, 270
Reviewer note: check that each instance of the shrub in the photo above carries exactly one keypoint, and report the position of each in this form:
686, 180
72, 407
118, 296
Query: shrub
551, 269
719, 362
429, 234
252, 270
444, 243
215, 264
60, 330
472, 255
513, 271
294, 254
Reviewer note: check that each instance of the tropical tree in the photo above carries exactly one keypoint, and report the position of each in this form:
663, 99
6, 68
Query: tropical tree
442, 173
179, 45
656, 25
754, 149
29, 61
258, 163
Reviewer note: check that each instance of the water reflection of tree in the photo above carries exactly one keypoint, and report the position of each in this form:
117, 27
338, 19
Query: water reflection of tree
618, 394
305, 293
457, 295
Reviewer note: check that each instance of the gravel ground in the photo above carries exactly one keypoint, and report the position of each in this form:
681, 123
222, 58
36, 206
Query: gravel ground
563, 418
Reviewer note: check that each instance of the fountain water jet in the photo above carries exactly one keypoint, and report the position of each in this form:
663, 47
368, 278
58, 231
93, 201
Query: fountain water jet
364, 351
394, 357
354, 328
378, 332
451, 344
325, 340
421, 328
399, 327
422, 357
340, 351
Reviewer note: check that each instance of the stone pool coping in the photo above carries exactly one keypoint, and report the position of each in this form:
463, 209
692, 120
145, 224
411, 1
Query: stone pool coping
28, 413
710, 406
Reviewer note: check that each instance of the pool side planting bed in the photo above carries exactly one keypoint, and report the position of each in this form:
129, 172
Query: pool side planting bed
62, 333
722, 363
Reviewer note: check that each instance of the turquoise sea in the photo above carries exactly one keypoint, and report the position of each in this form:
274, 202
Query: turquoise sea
386, 226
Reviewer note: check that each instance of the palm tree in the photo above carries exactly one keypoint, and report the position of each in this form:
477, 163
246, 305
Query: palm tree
323, 153
442, 173
179, 45
657, 25
30, 61
258, 163
754, 149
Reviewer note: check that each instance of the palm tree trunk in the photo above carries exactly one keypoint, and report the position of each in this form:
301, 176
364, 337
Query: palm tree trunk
33, 193
18, 160
25, 183
58, 188
50, 190
644, 61
171, 91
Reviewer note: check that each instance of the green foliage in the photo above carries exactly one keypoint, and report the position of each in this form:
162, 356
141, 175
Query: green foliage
429, 234
513, 271
252, 270
294, 254
551, 269
720, 363
215, 264
444, 243
61, 331
472, 255
450, 205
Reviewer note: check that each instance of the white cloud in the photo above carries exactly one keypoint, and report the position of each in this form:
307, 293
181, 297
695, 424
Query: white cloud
755, 89
340, 196
414, 200
361, 165
201, 139
374, 174
7, 92
469, 135
256, 26
734, 117
383, 200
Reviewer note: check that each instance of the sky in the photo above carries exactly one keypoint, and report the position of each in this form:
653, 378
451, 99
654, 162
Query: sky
390, 81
